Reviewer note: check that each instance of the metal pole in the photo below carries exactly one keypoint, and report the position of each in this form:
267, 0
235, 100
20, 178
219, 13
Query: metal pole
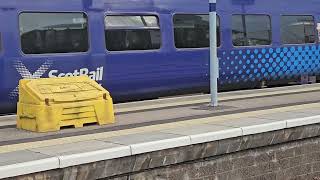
214, 64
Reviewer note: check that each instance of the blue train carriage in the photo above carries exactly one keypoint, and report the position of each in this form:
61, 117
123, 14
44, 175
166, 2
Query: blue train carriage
150, 48
273, 41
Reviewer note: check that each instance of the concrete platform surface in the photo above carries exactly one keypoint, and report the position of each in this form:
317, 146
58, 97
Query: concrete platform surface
135, 119
205, 98
141, 132
25, 162
109, 145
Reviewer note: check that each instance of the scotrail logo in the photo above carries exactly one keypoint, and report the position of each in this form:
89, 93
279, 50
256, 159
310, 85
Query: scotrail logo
26, 74
96, 75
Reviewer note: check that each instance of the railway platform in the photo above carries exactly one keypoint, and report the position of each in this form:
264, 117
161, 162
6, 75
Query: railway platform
161, 133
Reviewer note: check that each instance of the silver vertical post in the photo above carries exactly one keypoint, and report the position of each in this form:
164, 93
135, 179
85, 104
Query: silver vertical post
214, 64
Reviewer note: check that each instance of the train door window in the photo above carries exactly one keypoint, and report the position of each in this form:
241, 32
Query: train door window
43, 33
297, 29
132, 32
192, 31
251, 30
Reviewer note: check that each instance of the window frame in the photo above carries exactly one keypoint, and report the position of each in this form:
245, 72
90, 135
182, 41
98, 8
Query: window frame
271, 28
56, 54
132, 14
198, 48
316, 40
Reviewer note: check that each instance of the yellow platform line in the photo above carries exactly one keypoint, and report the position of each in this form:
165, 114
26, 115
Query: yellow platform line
151, 128
207, 100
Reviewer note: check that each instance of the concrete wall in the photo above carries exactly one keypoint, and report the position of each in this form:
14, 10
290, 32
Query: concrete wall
286, 154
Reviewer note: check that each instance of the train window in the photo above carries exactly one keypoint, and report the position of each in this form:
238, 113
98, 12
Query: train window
297, 29
251, 30
132, 33
43, 33
192, 31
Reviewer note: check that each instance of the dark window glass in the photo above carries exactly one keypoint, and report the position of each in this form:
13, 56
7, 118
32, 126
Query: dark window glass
132, 33
297, 29
251, 30
53, 32
192, 31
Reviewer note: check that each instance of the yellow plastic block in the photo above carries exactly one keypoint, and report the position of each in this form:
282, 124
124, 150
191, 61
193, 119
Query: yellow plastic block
48, 104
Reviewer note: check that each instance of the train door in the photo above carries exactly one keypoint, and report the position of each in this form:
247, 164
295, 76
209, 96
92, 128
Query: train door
1, 48
191, 41
7, 47
1, 43
142, 60
2, 68
137, 65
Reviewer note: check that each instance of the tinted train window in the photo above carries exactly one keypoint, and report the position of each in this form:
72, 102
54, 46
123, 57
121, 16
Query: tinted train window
297, 29
132, 33
251, 30
53, 32
192, 31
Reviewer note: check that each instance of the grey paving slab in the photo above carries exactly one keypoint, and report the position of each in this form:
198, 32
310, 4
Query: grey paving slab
75, 148
202, 133
85, 152
20, 157
252, 125
150, 141
25, 162
310, 112
281, 116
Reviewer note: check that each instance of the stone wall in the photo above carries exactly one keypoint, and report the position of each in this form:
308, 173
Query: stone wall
286, 154
296, 160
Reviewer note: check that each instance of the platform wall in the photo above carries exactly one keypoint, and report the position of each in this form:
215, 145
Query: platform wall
297, 160
286, 154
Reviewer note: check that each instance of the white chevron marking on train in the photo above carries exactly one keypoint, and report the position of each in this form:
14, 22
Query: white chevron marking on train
26, 74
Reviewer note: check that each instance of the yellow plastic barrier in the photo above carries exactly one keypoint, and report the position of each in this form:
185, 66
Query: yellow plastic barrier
51, 103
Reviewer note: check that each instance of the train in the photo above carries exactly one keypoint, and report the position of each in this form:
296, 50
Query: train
143, 49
